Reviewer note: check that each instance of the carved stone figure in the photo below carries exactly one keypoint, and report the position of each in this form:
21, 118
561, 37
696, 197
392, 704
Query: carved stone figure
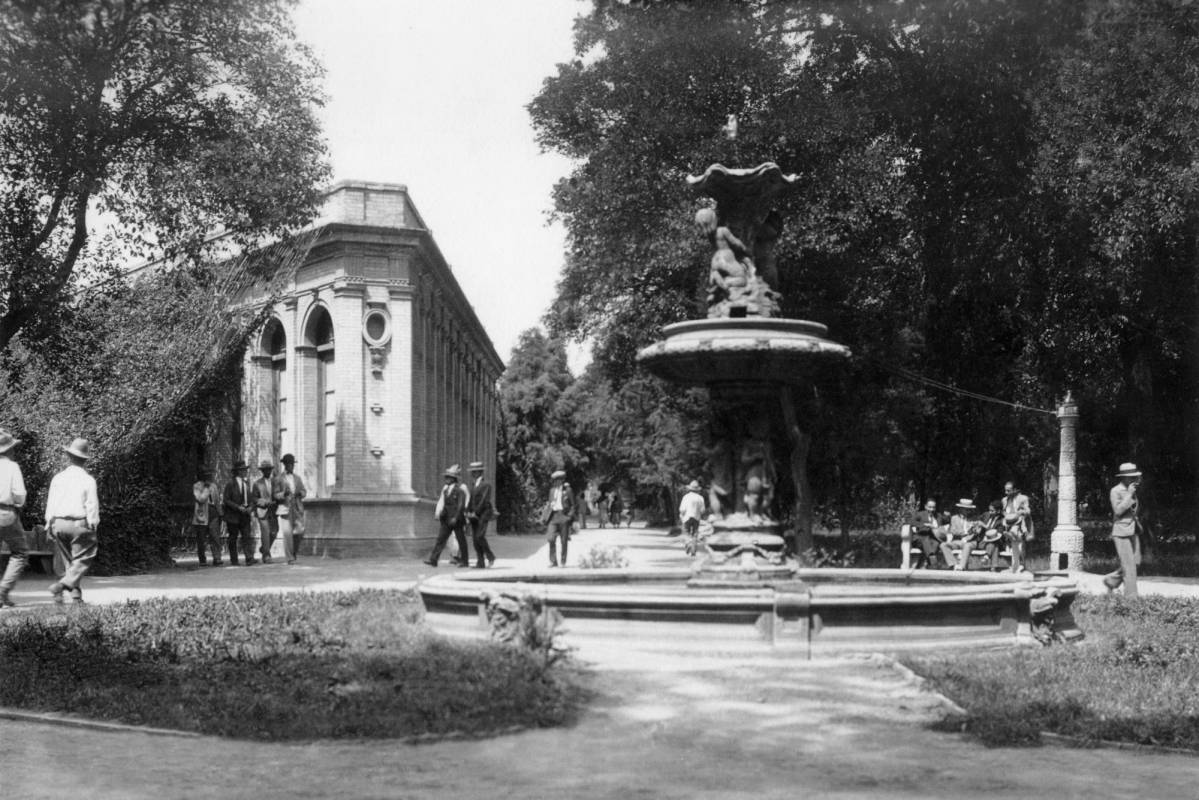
734, 288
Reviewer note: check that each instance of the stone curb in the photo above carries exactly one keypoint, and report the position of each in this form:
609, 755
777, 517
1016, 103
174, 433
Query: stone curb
47, 718
924, 685
1063, 740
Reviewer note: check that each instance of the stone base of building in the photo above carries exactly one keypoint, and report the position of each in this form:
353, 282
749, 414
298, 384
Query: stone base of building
352, 527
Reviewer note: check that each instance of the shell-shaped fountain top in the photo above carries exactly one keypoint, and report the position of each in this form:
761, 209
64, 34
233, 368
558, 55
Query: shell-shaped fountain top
718, 180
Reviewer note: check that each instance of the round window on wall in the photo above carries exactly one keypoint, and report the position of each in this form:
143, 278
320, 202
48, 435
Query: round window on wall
376, 327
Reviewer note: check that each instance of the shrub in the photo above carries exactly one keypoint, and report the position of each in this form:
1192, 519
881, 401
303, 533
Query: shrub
604, 557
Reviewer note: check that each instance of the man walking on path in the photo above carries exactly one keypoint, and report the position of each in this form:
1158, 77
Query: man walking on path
263, 498
237, 514
12, 499
206, 517
451, 514
691, 510
72, 519
289, 493
481, 512
559, 516
1124, 530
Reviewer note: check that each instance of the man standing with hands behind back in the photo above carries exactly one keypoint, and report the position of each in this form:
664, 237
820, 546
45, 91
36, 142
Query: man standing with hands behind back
480, 512
1124, 530
12, 498
72, 518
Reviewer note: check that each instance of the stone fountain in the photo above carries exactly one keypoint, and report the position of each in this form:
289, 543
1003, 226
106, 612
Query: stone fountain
748, 592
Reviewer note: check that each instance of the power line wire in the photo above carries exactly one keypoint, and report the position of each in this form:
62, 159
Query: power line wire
908, 374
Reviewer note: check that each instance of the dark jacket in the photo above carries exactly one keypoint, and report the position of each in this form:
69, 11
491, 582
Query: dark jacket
234, 502
453, 505
481, 506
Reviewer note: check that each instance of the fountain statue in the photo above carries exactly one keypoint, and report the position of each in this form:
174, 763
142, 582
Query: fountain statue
757, 366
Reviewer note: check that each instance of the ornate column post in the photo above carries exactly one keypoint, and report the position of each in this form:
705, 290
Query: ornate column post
1066, 539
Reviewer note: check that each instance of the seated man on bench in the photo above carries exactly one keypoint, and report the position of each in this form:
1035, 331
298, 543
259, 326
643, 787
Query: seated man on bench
930, 534
965, 532
993, 534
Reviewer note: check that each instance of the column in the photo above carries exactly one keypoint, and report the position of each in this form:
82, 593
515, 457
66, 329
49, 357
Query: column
1066, 540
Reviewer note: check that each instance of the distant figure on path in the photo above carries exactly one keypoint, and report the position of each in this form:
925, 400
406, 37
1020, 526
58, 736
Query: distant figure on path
1017, 516
559, 516
691, 511
1125, 507
601, 509
615, 508
451, 513
206, 517
482, 510
12, 500
72, 519
237, 514
289, 493
263, 498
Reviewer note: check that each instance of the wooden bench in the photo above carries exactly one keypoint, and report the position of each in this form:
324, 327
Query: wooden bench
39, 551
907, 549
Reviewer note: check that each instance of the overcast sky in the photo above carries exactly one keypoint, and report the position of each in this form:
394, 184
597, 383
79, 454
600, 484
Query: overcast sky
432, 94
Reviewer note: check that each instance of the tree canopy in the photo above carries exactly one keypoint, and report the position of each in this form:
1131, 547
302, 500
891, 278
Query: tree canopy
996, 199
167, 119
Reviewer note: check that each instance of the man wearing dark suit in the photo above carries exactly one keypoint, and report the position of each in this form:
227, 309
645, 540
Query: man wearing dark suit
236, 500
930, 533
480, 513
559, 515
263, 500
451, 514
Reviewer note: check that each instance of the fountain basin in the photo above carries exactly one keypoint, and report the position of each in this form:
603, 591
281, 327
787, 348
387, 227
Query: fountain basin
739, 350
814, 612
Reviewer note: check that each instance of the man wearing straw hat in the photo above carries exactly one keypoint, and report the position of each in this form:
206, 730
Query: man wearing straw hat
12, 498
289, 493
263, 498
964, 531
1124, 530
691, 510
72, 518
480, 513
451, 514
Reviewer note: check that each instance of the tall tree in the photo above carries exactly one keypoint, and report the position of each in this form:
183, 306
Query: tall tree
168, 117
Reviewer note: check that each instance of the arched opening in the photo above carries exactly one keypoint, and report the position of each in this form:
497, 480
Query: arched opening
274, 346
320, 336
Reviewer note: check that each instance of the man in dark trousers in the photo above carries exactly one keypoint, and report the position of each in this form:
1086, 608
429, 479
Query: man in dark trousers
451, 513
930, 532
559, 515
481, 512
236, 500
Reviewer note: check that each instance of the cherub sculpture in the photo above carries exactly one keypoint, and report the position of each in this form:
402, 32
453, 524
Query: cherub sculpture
734, 288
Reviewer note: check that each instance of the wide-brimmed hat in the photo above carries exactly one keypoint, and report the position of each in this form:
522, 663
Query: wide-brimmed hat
288, 458
80, 448
7, 442
556, 474
966, 503
452, 472
476, 466
239, 465
266, 464
992, 535
1128, 470
693, 486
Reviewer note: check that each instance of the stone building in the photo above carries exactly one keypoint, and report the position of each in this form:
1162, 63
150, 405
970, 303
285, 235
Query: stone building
375, 372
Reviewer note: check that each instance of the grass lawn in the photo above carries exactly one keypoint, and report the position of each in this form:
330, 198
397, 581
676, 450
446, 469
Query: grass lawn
276, 667
1134, 679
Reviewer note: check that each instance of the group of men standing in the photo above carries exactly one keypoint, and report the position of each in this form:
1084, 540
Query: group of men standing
72, 518
273, 505
457, 505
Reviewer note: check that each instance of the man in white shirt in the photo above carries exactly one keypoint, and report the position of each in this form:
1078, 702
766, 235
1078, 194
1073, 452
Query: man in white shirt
72, 518
12, 498
691, 510
559, 515
450, 514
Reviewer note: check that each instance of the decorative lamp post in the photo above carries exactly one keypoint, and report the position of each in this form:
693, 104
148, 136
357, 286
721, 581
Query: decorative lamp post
1066, 539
